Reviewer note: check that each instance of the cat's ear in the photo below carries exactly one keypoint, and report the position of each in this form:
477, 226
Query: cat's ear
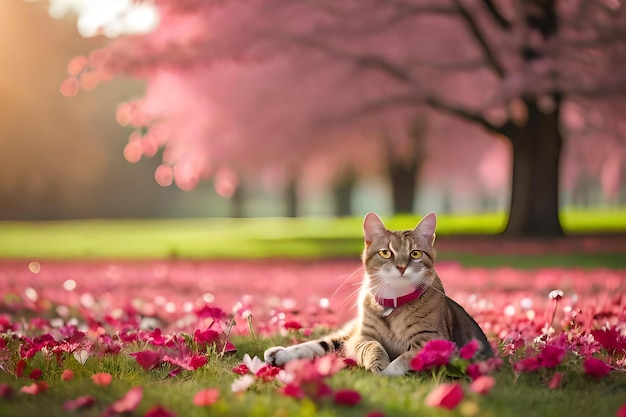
426, 227
372, 226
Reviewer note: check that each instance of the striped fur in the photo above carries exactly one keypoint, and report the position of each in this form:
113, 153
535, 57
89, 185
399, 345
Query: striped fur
384, 340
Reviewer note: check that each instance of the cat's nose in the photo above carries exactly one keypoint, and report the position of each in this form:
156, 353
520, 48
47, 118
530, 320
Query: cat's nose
401, 268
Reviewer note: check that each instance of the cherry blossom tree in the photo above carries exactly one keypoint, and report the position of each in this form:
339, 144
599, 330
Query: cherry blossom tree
235, 86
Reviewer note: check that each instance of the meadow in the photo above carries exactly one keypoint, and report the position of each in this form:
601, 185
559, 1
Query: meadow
165, 318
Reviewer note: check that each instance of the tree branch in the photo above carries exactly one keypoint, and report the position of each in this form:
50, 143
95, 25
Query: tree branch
492, 61
496, 15
463, 113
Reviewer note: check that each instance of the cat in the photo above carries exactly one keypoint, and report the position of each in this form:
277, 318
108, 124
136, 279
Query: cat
401, 306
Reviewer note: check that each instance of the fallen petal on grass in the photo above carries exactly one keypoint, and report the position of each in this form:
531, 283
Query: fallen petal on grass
445, 396
102, 379
35, 388
206, 397
80, 402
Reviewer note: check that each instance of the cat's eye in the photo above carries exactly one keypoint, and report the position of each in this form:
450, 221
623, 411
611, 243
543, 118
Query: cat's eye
416, 254
385, 253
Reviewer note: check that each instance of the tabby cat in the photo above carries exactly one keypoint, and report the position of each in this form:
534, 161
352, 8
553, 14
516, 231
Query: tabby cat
402, 305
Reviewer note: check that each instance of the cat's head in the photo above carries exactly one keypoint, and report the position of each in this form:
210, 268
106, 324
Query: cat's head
399, 258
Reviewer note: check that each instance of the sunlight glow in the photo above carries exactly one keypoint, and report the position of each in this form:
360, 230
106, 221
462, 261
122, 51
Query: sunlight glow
111, 18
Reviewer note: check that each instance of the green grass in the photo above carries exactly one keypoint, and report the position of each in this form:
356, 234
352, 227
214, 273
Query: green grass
398, 396
221, 238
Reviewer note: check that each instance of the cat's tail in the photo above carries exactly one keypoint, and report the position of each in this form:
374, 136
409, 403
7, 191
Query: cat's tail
334, 342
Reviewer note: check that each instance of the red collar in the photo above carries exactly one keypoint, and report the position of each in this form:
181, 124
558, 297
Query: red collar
397, 302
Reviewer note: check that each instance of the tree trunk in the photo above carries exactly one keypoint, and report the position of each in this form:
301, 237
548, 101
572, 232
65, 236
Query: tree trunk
291, 197
343, 194
404, 169
537, 145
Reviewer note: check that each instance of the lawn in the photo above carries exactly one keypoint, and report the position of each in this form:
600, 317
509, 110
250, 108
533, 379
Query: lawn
160, 335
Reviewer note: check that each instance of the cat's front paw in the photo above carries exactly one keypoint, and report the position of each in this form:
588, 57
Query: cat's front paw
395, 368
277, 356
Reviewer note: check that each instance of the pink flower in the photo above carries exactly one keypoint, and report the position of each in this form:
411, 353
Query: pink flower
67, 375
206, 337
242, 384
206, 397
483, 384
621, 412
147, 359
268, 373
292, 325
128, 402
445, 396
435, 353
35, 374
103, 379
469, 350
158, 411
5, 391
241, 369
611, 340
347, 397
292, 390
80, 402
35, 388
551, 356
527, 365
595, 367
253, 364
555, 382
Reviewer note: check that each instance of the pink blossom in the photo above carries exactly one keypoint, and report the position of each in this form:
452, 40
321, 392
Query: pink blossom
241, 369
5, 391
147, 359
445, 396
347, 397
80, 402
67, 375
129, 402
551, 356
611, 340
206, 337
595, 367
434, 354
292, 325
527, 365
621, 412
159, 411
103, 379
206, 397
35, 388
483, 384
555, 382
268, 373
469, 350
35, 374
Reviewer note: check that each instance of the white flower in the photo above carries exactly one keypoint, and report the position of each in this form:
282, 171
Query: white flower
253, 364
243, 383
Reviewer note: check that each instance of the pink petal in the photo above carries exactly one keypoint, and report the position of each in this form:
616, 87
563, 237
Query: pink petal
80, 402
206, 397
128, 402
35, 388
347, 397
159, 411
103, 379
147, 359
67, 375
483, 384
469, 350
445, 396
595, 367
555, 382
621, 412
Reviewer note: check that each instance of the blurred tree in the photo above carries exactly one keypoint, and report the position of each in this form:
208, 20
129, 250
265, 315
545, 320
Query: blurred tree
240, 83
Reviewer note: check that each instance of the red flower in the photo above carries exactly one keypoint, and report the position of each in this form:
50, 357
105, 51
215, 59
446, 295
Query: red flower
208, 336
80, 402
147, 359
469, 350
35, 388
551, 356
595, 367
483, 384
268, 373
103, 379
292, 325
5, 391
347, 397
128, 402
206, 397
621, 412
67, 375
292, 390
435, 353
197, 361
19, 368
35, 374
241, 369
159, 411
445, 396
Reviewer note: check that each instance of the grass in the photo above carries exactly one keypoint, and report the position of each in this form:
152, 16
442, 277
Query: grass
220, 238
399, 396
